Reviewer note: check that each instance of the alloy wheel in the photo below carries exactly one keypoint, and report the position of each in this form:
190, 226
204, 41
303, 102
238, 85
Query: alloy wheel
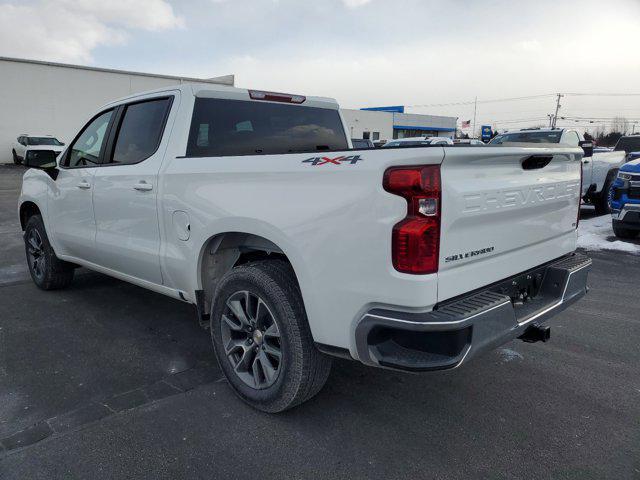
610, 195
35, 252
251, 339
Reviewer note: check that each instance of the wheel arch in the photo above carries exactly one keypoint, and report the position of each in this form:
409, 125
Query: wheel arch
223, 251
27, 210
609, 179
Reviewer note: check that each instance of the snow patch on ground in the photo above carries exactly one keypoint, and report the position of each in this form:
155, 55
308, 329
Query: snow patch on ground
596, 234
509, 355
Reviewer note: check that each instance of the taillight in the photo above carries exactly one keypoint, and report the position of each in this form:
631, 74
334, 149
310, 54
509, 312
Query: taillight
276, 97
416, 239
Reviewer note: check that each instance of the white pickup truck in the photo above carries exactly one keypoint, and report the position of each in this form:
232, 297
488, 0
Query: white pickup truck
293, 247
599, 169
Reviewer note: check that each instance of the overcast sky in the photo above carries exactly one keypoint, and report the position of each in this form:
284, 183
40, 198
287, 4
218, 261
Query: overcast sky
362, 52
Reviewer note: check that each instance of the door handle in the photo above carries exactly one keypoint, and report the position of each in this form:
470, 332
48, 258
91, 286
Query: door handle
84, 185
143, 186
535, 162
585, 161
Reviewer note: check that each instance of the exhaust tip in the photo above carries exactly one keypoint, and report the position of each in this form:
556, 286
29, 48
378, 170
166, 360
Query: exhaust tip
536, 333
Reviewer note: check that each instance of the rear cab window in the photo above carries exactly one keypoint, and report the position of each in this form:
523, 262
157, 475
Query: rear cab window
528, 137
221, 127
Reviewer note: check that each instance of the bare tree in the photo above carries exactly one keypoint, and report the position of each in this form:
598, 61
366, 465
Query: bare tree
599, 131
620, 125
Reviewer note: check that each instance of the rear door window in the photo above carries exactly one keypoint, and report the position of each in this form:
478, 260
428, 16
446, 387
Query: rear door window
140, 131
237, 127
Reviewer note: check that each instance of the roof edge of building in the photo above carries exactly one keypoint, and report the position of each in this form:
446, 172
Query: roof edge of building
222, 80
419, 127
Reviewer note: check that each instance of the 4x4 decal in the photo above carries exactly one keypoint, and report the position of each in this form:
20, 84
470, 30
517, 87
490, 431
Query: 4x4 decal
351, 160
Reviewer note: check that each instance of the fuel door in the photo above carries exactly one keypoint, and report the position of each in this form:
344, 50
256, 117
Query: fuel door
181, 225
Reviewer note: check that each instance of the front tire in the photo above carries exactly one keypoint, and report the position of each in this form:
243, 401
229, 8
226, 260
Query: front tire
47, 271
603, 200
262, 339
16, 160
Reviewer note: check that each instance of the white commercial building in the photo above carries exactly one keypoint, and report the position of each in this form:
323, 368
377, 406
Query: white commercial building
44, 98
384, 123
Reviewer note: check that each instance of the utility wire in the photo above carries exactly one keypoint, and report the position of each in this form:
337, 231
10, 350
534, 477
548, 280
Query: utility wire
621, 117
592, 121
603, 94
472, 102
522, 120
529, 97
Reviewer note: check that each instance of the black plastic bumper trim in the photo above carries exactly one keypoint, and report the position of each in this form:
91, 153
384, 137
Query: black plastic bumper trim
629, 225
334, 351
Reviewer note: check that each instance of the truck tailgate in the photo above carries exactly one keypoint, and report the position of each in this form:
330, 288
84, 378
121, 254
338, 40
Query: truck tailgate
503, 212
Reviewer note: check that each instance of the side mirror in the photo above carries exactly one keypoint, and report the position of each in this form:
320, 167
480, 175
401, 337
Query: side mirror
40, 159
587, 146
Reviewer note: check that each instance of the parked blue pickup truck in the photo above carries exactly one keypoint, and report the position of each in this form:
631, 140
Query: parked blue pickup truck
625, 200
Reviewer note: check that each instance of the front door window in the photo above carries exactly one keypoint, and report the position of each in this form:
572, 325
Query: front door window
85, 151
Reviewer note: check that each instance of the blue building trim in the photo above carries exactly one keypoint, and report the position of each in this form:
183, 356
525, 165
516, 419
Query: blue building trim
393, 108
433, 129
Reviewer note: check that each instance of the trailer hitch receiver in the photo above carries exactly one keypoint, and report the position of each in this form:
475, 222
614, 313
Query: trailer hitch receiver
536, 333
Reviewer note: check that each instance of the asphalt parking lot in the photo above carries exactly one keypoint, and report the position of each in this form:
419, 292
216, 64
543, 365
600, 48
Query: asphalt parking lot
107, 380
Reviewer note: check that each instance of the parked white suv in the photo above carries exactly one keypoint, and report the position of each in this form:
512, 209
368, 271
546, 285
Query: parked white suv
599, 169
33, 146
294, 247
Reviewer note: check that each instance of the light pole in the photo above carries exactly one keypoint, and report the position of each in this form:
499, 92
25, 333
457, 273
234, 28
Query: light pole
555, 117
475, 111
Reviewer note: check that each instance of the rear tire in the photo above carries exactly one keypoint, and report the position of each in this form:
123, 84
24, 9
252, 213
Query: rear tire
262, 339
603, 199
625, 233
47, 271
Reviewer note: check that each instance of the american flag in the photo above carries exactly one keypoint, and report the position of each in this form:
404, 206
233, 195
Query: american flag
466, 124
